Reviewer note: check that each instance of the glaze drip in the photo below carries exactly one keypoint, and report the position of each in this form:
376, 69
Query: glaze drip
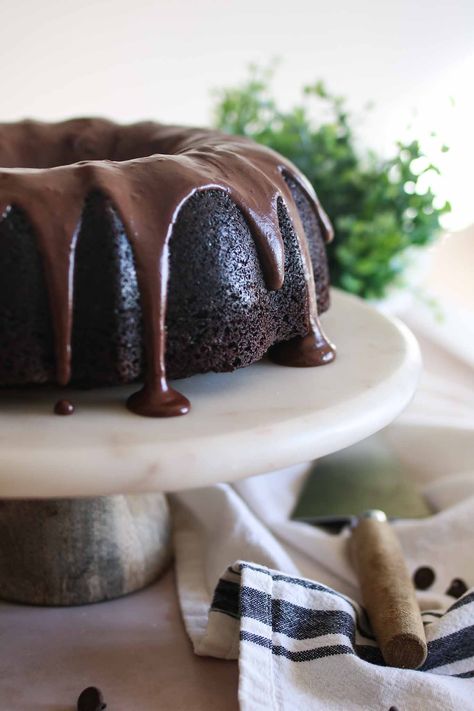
148, 172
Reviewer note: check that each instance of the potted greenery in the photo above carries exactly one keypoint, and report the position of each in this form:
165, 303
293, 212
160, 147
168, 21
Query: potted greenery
380, 215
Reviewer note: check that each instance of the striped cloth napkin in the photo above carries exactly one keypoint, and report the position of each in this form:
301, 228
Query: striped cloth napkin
303, 645
289, 608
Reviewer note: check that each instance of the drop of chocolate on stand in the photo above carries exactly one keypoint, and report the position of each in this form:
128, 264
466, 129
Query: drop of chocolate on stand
64, 407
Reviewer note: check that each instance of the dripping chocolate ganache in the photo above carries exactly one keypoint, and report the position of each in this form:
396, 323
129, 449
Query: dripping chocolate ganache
147, 252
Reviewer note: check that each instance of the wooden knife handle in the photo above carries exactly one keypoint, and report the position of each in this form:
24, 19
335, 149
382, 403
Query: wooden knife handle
387, 591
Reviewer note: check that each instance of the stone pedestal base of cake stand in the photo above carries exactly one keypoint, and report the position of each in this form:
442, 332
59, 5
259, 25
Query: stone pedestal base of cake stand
59, 548
77, 551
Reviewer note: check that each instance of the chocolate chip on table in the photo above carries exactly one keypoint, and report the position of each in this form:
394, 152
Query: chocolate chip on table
457, 588
424, 577
91, 699
63, 407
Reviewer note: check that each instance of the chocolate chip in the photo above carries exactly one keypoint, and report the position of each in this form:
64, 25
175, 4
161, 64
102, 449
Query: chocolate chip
457, 588
91, 699
424, 577
393, 708
63, 407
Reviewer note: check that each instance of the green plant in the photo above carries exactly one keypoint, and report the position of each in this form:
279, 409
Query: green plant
378, 206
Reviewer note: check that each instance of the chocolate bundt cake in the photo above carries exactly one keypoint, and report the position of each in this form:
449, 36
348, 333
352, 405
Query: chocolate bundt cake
149, 251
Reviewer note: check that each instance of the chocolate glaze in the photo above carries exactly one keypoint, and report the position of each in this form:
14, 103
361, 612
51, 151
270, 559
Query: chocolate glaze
149, 171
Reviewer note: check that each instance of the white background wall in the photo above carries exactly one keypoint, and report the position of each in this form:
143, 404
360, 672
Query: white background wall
161, 59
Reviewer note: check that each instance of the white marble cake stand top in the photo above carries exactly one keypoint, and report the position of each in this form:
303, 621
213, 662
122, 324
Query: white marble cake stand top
256, 419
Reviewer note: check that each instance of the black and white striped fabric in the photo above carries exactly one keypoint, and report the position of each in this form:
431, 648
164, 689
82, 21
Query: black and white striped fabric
302, 645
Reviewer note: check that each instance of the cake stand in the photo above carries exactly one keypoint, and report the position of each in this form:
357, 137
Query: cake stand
83, 515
